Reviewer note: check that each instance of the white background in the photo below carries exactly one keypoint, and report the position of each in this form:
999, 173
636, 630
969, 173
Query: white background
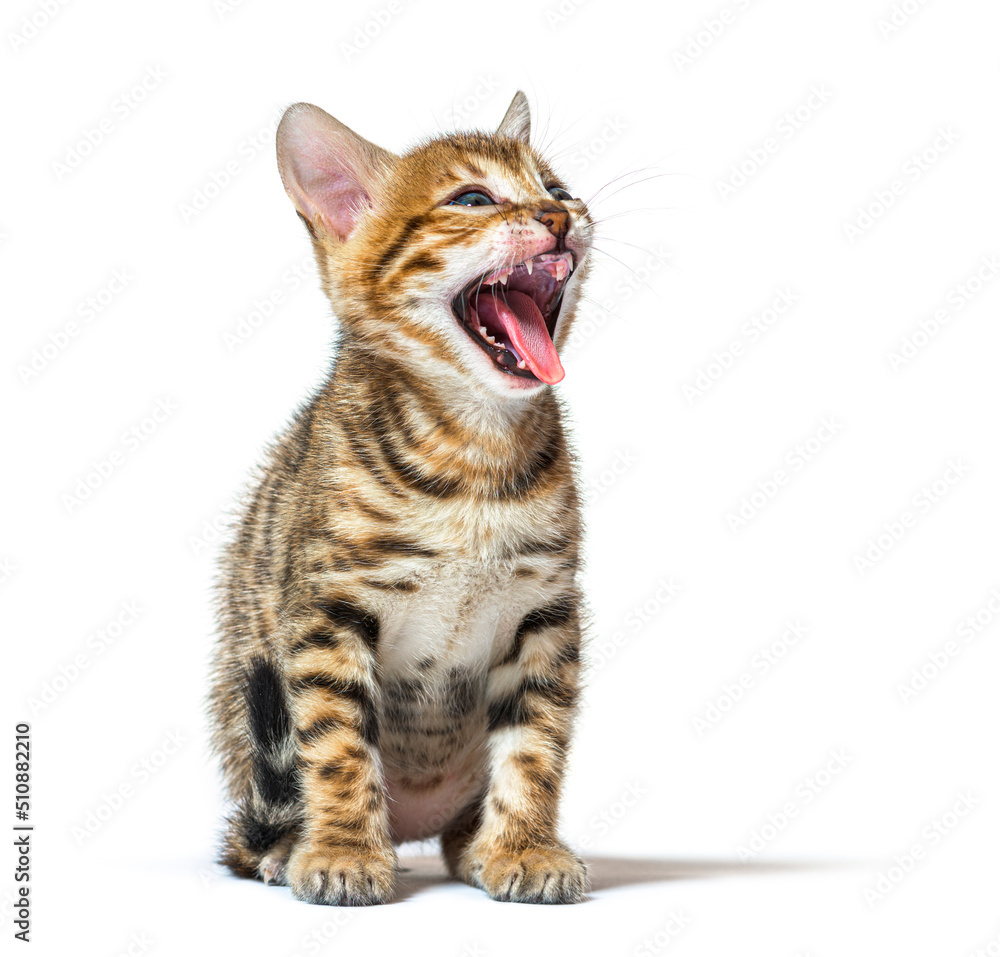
618, 89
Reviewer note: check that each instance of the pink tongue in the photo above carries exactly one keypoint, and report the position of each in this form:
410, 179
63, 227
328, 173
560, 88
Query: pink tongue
521, 319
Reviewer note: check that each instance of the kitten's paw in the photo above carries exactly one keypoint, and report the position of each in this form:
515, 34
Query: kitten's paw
273, 864
538, 875
346, 876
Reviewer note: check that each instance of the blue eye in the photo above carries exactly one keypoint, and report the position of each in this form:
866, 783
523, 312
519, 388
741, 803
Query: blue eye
557, 192
472, 199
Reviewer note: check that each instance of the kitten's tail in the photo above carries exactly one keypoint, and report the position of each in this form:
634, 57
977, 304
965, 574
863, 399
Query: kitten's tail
272, 809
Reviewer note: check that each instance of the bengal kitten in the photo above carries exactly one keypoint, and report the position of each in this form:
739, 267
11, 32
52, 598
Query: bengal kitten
400, 615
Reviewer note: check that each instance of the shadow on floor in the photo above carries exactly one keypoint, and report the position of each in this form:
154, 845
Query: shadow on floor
418, 873
607, 873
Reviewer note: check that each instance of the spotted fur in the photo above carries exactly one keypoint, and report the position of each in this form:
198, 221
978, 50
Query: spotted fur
400, 619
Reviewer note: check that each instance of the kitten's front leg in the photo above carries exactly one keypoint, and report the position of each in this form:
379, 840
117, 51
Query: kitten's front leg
507, 843
345, 853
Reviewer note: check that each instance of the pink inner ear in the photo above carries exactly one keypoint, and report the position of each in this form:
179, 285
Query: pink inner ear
319, 166
339, 200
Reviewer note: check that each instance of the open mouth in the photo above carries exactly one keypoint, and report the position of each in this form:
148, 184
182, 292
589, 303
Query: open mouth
511, 314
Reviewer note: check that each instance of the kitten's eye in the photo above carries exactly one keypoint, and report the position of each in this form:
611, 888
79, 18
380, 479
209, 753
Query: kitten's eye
472, 199
557, 192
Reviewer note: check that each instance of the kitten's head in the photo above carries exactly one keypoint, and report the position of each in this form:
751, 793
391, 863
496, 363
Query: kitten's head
462, 258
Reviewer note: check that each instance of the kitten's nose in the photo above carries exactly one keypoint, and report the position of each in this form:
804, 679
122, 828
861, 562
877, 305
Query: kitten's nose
556, 221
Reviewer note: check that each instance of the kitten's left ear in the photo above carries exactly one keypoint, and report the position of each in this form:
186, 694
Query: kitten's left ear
516, 122
330, 173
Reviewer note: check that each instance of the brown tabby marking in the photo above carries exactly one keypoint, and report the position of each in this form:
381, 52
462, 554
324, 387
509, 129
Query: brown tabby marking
400, 621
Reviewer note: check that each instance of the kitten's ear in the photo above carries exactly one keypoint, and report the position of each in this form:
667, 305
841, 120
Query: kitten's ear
330, 172
516, 122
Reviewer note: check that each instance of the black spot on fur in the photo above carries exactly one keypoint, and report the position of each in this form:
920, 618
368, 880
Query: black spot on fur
463, 694
369, 726
314, 639
270, 725
317, 729
260, 836
513, 709
352, 691
507, 711
353, 618
267, 712
557, 613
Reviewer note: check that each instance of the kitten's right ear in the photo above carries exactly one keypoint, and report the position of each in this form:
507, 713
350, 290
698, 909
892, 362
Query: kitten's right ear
330, 172
516, 122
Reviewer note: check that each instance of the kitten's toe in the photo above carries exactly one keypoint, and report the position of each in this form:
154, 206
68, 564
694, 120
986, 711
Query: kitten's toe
273, 864
538, 875
345, 876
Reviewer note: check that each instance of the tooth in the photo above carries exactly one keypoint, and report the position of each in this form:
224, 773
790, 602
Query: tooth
503, 277
482, 330
522, 364
490, 339
529, 265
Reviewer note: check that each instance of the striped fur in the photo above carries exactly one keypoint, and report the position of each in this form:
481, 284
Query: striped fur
400, 620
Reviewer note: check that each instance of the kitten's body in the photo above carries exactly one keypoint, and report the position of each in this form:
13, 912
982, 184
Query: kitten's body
400, 616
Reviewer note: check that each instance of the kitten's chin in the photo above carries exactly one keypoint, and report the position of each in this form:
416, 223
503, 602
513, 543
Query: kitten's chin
478, 371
